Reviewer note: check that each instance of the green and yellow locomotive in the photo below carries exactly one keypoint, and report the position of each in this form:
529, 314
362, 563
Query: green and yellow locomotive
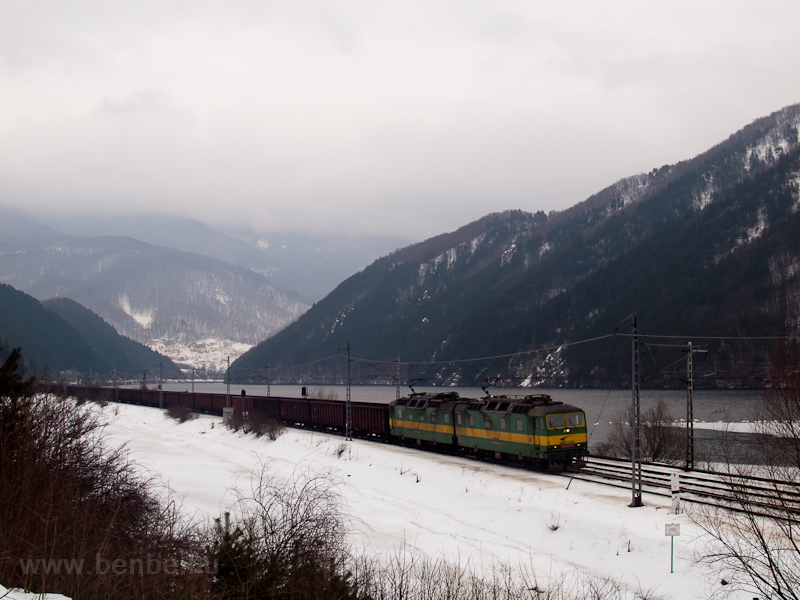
532, 429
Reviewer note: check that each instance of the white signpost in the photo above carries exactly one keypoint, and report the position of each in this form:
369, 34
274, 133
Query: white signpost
675, 485
671, 530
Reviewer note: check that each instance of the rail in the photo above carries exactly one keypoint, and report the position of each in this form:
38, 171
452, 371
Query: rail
740, 492
745, 493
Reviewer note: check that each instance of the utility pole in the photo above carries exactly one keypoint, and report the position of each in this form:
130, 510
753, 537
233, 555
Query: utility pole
636, 440
397, 392
348, 416
144, 379
161, 385
269, 391
116, 393
348, 407
228, 395
689, 410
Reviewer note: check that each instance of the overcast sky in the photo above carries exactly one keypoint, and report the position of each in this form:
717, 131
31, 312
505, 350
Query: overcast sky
406, 117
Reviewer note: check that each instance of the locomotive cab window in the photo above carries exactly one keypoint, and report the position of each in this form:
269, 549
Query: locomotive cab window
555, 421
458, 419
446, 418
471, 421
575, 420
399, 414
502, 423
421, 418
487, 424
519, 424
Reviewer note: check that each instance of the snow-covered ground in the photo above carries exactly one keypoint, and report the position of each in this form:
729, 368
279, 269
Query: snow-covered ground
440, 505
16, 594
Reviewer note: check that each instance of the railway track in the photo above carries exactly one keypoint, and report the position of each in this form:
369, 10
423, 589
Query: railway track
776, 499
763, 496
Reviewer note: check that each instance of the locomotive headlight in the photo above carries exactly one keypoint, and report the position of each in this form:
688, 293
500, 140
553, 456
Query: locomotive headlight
566, 431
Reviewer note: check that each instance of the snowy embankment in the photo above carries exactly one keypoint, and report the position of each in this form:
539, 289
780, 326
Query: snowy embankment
443, 506
15, 594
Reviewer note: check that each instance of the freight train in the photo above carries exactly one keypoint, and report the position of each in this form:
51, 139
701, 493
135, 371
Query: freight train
531, 430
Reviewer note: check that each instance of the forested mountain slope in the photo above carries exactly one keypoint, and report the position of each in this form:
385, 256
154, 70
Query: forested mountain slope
155, 295
64, 336
704, 245
127, 356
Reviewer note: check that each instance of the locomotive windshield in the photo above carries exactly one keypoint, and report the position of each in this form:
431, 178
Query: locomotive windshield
555, 421
575, 420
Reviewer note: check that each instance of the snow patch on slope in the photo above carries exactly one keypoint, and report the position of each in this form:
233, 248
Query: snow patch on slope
756, 231
475, 242
452, 255
508, 255
633, 189
143, 318
796, 205
220, 294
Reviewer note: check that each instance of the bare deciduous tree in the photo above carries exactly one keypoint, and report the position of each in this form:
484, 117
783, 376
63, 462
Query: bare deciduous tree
662, 439
753, 544
323, 394
70, 505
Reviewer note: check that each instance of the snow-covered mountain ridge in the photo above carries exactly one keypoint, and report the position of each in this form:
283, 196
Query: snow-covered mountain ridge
514, 281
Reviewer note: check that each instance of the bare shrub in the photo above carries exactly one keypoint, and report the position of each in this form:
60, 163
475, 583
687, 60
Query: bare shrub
323, 394
341, 449
180, 413
554, 522
257, 424
64, 495
237, 422
663, 440
407, 575
289, 540
260, 425
755, 547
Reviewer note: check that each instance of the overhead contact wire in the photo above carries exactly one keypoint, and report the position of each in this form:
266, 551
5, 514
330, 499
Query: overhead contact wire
462, 360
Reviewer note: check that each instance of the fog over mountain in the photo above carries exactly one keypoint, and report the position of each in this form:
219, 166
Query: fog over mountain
193, 293
309, 264
708, 246
396, 118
